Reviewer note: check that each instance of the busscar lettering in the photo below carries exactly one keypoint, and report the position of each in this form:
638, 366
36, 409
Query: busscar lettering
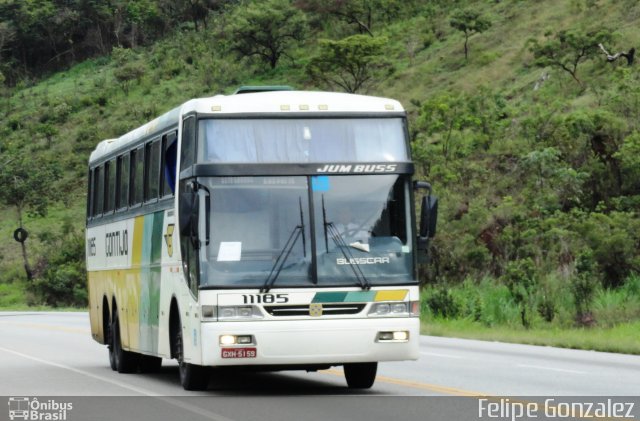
362, 261
117, 243
361, 168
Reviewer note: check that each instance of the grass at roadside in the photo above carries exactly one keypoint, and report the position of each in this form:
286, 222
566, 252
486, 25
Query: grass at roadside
13, 297
622, 338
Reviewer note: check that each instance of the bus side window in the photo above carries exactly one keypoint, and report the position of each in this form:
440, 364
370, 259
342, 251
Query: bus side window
98, 190
169, 152
123, 182
152, 173
188, 156
137, 176
90, 194
110, 186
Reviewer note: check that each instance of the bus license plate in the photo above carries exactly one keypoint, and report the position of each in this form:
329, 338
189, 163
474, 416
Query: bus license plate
238, 353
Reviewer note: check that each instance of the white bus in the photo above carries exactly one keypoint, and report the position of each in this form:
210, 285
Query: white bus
269, 229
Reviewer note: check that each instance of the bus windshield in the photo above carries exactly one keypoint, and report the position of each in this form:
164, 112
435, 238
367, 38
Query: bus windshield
270, 226
302, 140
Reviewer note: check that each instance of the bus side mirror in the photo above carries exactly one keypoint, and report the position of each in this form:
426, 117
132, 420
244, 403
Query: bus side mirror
428, 215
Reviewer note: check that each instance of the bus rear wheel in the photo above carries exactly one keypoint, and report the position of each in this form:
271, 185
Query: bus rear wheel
360, 375
111, 347
192, 376
125, 361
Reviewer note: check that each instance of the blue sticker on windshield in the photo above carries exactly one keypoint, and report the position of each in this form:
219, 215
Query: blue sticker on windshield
320, 183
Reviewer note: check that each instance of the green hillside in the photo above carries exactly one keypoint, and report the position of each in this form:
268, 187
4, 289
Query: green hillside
532, 142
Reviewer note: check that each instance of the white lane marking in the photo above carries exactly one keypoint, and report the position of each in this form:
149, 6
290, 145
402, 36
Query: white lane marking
561, 370
203, 412
435, 354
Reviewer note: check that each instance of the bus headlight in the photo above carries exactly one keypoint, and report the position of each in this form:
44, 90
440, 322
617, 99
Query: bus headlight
393, 336
226, 340
395, 309
231, 313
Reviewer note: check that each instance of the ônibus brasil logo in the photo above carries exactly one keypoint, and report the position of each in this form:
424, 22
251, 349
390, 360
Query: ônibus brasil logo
31, 409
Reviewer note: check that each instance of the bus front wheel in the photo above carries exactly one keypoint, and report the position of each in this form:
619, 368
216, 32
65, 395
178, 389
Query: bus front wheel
192, 376
360, 375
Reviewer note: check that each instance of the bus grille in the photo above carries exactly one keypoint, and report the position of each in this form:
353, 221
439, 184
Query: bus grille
306, 310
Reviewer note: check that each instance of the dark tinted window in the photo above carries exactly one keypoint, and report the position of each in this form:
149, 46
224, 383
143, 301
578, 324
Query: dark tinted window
123, 182
152, 173
110, 192
188, 156
168, 170
90, 195
98, 191
137, 176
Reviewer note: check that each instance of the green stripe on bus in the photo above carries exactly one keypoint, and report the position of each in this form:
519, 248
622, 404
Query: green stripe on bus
151, 280
156, 237
329, 297
360, 297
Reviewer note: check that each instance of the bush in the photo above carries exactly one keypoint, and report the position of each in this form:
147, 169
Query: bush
583, 287
61, 274
522, 281
62, 285
442, 303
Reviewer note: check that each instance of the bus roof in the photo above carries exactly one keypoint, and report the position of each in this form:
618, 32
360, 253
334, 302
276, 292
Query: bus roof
276, 103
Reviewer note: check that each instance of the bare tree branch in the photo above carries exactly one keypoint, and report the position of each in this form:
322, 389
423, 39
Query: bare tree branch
613, 57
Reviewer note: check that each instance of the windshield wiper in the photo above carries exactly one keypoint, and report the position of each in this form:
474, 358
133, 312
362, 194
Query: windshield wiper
329, 227
298, 231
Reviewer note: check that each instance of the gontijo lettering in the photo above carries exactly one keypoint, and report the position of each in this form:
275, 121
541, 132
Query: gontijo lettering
117, 243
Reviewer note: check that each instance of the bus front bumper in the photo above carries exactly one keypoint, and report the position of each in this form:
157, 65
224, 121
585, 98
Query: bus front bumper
310, 342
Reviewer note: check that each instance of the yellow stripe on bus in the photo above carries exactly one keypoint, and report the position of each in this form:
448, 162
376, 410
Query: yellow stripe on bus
393, 295
138, 236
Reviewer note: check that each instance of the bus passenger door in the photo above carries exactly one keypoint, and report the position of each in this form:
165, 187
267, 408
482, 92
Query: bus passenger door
189, 211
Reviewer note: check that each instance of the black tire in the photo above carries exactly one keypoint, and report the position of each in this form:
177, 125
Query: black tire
360, 375
149, 364
110, 346
192, 376
126, 361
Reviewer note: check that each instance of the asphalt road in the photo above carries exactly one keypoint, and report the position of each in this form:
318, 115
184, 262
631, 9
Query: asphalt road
53, 355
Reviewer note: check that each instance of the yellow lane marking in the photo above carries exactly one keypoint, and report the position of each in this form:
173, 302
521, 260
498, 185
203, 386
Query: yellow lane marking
416, 385
46, 327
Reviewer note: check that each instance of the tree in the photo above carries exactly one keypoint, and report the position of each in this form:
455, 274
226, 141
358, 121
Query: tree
267, 29
49, 131
566, 49
521, 279
353, 63
27, 187
470, 22
7, 34
583, 288
445, 118
361, 13
127, 67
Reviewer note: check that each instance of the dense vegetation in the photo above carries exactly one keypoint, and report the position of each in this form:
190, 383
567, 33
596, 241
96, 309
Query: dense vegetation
528, 130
